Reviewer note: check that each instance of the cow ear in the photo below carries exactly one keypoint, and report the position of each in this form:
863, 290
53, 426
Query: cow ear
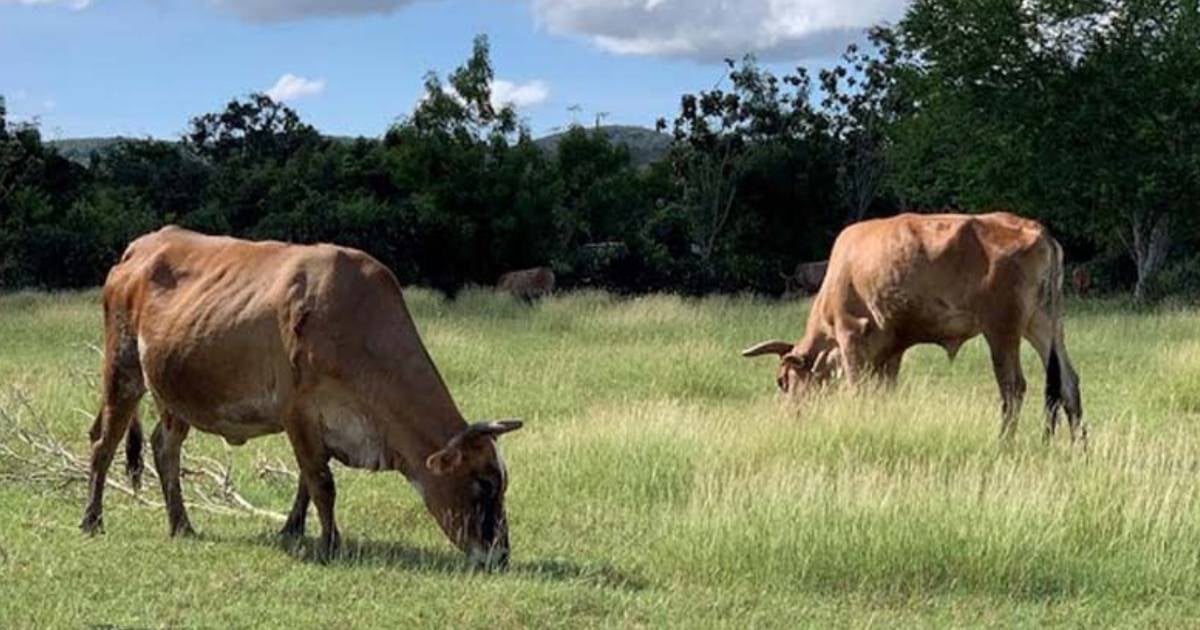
798, 362
446, 461
452, 457
768, 347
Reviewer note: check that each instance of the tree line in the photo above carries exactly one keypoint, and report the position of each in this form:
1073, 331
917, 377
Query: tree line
1084, 114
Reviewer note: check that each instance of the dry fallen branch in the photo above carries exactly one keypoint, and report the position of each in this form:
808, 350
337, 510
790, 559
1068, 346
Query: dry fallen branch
35, 455
276, 470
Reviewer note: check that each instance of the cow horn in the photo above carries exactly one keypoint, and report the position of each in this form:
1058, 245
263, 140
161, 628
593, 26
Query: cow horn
493, 428
768, 347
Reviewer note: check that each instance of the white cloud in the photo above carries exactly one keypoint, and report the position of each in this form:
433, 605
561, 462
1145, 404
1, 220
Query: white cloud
290, 87
519, 95
709, 30
75, 5
285, 10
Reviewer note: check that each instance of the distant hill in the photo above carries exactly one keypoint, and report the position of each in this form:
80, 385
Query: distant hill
80, 149
645, 145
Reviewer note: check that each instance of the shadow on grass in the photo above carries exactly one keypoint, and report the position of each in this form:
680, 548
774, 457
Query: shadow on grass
357, 553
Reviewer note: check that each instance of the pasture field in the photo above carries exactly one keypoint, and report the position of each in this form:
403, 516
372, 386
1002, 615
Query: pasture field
658, 482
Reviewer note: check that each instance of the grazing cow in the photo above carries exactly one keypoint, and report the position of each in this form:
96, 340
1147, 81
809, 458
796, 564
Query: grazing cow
244, 339
941, 279
807, 278
1081, 281
528, 284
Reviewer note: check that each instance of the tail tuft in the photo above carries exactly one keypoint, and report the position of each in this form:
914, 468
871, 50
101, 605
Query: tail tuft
133, 454
1054, 380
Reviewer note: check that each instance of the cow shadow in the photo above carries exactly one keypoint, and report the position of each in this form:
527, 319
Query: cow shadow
368, 553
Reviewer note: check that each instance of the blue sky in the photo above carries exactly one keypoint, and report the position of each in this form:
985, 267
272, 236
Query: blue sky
144, 67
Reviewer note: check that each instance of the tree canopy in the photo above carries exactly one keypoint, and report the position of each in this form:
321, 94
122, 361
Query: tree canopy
1084, 114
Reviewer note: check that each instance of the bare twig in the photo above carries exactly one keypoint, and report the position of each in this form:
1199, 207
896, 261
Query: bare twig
36, 455
276, 469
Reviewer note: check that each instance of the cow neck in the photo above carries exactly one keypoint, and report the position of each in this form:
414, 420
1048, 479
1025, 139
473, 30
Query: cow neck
420, 415
421, 425
816, 337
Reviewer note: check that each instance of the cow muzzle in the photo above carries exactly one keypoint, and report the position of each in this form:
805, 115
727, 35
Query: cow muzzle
494, 558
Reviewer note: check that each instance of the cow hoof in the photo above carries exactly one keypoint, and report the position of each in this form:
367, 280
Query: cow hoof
292, 530
183, 531
134, 477
328, 548
92, 525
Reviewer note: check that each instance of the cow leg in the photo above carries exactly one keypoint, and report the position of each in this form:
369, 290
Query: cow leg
319, 479
167, 442
122, 389
295, 525
1040, 334
1006, 362
851, 339
313, 461
890, 370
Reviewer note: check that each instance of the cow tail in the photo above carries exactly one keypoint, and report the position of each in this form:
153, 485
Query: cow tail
1062, 383
133, 452
1051, 299
1054, 397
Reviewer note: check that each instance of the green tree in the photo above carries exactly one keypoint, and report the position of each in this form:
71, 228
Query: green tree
602, 205
1081, 112
159, 175
254, 129
860, 101
756, 185
480, 196
37, 189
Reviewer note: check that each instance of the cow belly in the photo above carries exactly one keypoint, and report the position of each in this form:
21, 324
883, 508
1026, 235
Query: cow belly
939, 323
244, 420
938, 319
237, 413
234, 384
236, 421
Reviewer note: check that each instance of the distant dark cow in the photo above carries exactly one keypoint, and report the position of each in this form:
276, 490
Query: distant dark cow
528, 284
941, 279
1081, 281
243, 339
807, 278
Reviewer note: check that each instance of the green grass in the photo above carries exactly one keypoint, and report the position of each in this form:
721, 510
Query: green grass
659, 482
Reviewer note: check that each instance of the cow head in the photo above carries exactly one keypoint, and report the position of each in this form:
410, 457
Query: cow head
467, 496
798, 370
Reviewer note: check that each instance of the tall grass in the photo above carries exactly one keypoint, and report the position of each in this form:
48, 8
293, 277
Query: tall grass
660, 482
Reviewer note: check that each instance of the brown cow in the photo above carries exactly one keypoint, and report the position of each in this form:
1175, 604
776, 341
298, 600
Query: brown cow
244, 339
807, 277
942, 279
528, 284
1081, 281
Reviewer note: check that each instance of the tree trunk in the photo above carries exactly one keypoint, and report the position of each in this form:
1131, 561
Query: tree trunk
1151, 241
861, 174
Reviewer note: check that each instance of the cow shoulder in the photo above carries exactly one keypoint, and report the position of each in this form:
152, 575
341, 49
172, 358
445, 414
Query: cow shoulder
1008, 237
342, 301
